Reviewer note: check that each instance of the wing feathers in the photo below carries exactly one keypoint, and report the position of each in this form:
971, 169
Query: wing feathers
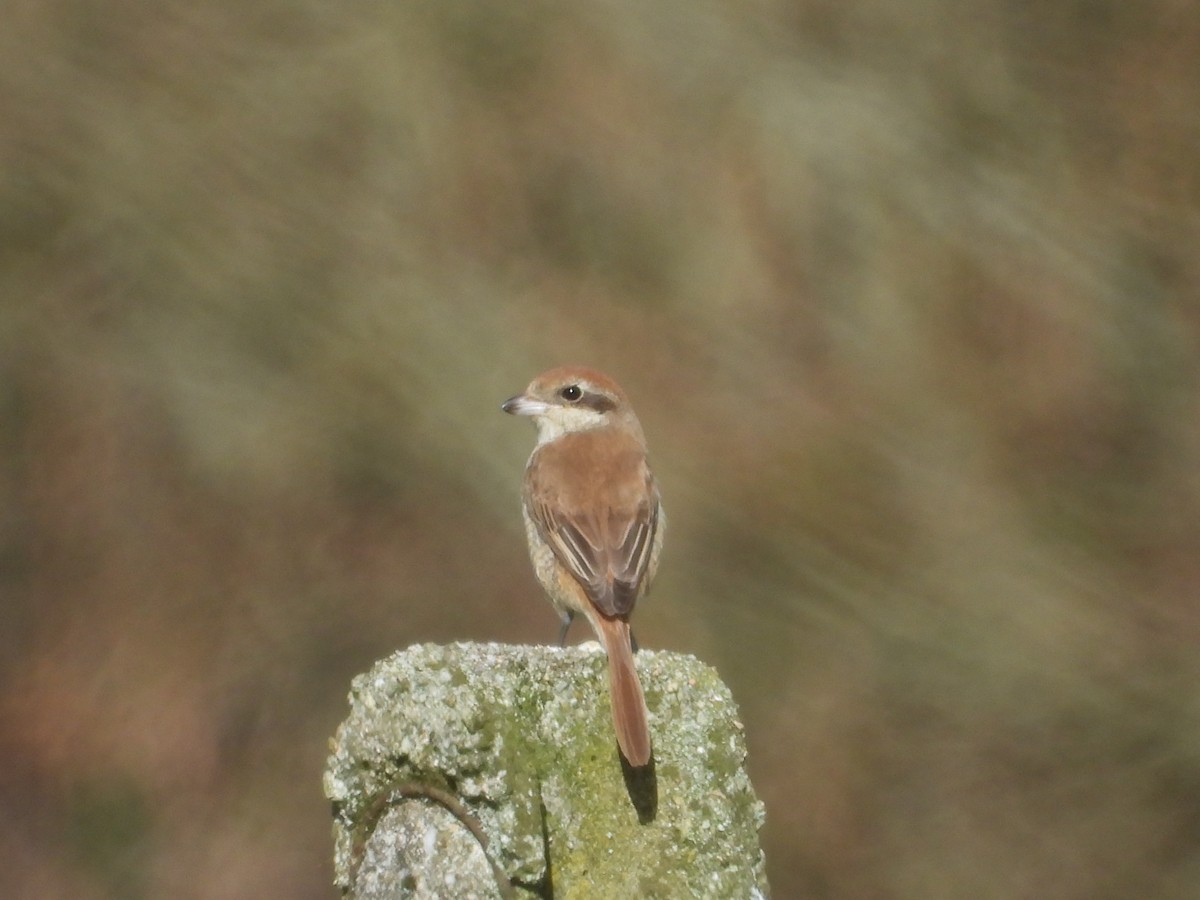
600, 522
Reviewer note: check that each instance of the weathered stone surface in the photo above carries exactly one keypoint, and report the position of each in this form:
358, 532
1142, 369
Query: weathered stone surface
522, 738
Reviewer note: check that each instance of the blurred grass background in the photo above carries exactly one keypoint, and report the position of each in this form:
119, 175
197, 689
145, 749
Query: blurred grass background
905, 295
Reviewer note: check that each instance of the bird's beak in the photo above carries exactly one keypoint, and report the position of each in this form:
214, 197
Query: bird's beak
521, 405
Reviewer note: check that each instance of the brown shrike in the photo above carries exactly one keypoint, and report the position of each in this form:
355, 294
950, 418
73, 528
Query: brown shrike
594, 522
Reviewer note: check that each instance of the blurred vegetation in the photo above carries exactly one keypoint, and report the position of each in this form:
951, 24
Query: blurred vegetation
905, 295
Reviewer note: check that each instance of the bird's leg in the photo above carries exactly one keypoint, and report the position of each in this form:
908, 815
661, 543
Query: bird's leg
633, 641
568, 617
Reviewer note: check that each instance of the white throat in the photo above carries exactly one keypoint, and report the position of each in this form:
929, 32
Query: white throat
560, 420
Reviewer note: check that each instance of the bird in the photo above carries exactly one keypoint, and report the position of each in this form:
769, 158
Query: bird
594, 522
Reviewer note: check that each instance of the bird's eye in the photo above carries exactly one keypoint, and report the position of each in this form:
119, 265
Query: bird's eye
571, 393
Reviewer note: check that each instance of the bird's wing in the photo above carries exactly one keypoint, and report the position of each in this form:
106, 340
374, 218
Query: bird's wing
609, 548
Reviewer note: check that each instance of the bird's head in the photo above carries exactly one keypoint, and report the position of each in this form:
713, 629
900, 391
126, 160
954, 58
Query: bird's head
570, 399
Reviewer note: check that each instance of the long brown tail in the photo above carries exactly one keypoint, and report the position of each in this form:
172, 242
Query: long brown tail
628, 703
